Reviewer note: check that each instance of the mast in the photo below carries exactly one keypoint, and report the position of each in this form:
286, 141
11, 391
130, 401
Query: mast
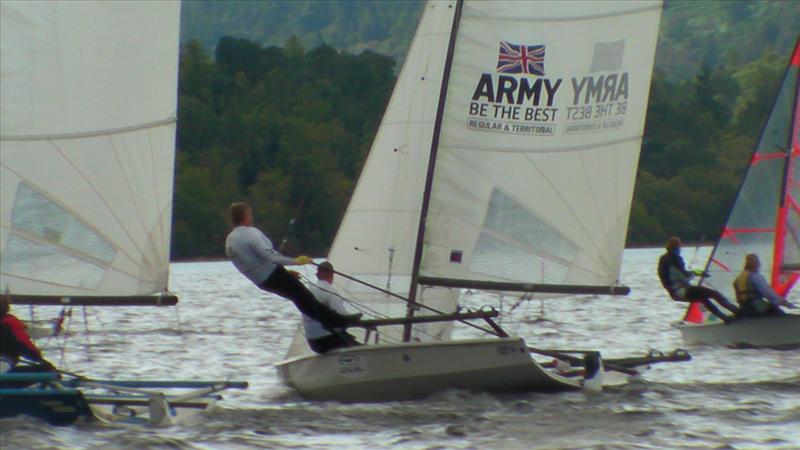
788, 203
412, 293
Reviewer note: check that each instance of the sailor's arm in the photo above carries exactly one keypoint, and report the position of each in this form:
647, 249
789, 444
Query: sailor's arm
263, 247
328, 297
766, 291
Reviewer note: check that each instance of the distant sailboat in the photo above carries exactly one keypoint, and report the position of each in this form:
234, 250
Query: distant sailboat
765, 220
88, 94
505, 161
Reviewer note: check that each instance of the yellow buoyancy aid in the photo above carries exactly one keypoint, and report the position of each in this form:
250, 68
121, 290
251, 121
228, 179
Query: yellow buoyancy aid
745, 290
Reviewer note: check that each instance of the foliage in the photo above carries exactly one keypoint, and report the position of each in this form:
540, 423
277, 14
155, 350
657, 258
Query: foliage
353, 25
699, 136
278, 127
693, 33
288, 128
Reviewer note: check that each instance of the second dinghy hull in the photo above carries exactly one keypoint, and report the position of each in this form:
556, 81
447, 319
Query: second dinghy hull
778, 332
374, 373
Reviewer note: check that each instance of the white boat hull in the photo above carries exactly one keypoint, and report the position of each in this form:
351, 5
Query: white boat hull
780, 332
415, 370
138, 412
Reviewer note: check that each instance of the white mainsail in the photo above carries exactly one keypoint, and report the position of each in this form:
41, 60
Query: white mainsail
539, 145
87, 146
375, 241
540, 196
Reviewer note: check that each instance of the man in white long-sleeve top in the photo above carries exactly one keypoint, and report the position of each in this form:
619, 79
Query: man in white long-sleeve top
254, 256
319, 339
755, 296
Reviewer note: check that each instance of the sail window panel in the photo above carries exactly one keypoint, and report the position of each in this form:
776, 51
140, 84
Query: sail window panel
501, 260
48, 264
775, 138
36, 214
755, 207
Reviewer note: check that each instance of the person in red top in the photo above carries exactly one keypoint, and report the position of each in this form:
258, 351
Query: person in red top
15, 343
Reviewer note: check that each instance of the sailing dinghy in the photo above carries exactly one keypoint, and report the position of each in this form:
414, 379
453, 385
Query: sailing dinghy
87, 149
765, 220
505, 161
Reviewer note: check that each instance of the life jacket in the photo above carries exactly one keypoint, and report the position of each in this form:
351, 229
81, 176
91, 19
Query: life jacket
745, 290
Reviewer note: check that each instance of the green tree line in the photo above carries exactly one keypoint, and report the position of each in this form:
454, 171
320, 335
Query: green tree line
283, 128
693, 33
288, 129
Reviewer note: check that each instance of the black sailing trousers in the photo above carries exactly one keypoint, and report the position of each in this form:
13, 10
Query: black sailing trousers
704, 295
282, 283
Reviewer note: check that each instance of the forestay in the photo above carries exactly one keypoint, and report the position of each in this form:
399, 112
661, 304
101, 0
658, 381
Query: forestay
375, 241
765, 218
539, 146
87, 139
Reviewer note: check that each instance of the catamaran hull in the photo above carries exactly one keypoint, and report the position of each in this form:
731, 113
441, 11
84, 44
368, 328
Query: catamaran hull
407, 371
779, 332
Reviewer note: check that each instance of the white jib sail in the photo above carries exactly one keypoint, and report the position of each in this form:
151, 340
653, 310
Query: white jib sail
540, 142
376, 237
87, 144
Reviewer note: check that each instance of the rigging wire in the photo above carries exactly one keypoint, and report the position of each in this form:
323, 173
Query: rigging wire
367, 310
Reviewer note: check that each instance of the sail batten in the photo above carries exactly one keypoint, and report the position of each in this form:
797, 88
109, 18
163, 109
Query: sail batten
85, 134
524, 287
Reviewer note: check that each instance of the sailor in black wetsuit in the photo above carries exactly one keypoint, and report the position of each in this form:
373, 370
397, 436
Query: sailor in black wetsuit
675, 279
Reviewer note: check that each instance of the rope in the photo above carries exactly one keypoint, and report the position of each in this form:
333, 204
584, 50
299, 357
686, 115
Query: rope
364, 308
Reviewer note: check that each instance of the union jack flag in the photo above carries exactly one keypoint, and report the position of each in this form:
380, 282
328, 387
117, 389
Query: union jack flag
520, 59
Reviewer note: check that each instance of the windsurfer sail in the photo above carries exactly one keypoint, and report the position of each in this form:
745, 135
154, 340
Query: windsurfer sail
765, 217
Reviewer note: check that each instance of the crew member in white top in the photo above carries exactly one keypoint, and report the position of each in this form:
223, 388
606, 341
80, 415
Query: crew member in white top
252, 253
320, 339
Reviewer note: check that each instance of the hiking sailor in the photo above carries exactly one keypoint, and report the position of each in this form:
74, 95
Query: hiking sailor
675, 279
319, 339
755, 296
15, 344
253, 255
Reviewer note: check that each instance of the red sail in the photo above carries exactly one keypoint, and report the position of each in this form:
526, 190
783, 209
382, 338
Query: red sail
765, 218
786, 264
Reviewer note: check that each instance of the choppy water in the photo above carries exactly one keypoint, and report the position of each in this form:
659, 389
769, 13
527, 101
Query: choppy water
225, 328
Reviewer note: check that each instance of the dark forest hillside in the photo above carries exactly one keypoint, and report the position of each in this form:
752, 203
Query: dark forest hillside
692, 32
255, 125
